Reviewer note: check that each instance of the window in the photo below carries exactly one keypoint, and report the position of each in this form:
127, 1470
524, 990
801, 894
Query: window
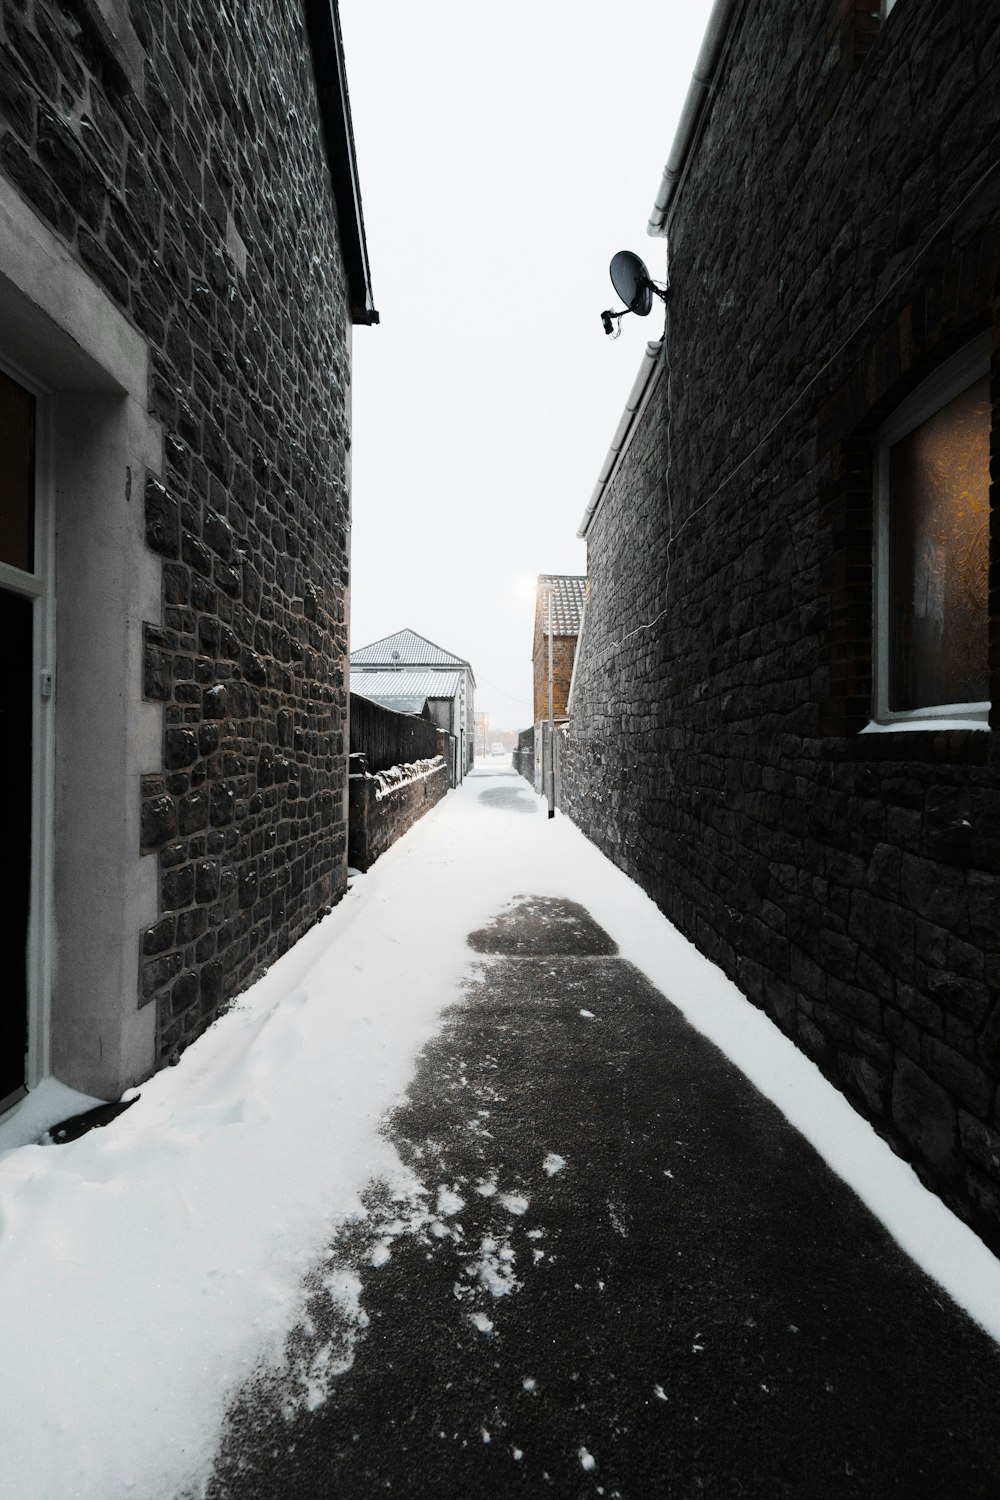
932, 549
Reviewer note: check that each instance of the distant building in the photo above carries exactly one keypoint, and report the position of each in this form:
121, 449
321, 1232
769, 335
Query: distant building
400, 669
569, 597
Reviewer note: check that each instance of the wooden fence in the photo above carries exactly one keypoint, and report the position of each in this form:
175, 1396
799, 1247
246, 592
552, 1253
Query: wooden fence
387, 738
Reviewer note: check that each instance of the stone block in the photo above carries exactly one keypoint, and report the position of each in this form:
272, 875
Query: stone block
180, 748
162, 519
158, 821
926, 1117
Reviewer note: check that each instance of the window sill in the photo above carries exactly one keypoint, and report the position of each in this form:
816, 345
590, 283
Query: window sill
925, 726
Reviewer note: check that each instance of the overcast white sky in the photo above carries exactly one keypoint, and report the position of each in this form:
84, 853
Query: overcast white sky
505, 152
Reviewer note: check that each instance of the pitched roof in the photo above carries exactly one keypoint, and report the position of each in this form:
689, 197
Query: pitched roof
381, 685
569, 594
408, 649
400, 705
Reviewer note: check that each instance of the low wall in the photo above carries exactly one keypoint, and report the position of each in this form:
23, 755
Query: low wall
384, 806
523, 758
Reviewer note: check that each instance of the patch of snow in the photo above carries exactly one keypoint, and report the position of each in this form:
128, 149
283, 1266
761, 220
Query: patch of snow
587, 1460
514, 1203
554, 1163
617, 1222
924, 726
659, 1393
308, 1370
449, 1202
588, 1015
481, 1321
47, 1104
494, 1268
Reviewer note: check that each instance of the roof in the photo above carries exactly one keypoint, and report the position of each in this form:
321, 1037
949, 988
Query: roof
701, 91
408, 649
422, 685
569, 594
327, 47
401, 705
642, 389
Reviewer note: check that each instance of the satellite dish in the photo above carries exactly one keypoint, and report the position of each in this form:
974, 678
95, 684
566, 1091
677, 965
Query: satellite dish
630, 280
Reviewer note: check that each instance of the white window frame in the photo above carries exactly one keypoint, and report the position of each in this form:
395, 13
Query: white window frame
948, 381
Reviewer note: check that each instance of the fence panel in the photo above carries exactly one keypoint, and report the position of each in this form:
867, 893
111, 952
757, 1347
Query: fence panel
387, 738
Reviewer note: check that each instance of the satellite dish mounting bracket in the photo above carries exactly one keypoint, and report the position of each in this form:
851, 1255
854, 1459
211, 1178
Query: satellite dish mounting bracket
632, 282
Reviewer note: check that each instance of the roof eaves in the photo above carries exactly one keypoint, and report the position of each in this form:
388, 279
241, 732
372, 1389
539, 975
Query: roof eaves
700, 90
642, 389
327, 47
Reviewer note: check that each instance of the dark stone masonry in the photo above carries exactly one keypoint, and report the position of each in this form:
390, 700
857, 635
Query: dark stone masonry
386, 805
185, 166
834, 242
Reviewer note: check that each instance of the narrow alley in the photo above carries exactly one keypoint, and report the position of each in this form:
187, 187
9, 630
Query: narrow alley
456, 1202
619, 1271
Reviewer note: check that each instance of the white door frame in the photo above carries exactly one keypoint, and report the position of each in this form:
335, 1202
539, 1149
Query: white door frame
93, 893
38, 586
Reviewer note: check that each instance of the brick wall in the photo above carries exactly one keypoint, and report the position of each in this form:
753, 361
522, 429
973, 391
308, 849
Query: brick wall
563, 655
835, 240
195, 190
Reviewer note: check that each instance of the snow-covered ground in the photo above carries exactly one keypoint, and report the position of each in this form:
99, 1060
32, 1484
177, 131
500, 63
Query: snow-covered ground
147, 1267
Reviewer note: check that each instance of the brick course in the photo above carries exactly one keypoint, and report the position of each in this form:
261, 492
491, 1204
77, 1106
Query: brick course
835, 240
201, 202
563, 656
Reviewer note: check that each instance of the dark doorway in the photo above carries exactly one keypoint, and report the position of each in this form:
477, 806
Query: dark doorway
15, 846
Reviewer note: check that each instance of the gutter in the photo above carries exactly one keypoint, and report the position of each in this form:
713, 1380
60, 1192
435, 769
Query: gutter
638, 396
698, 94
327, 48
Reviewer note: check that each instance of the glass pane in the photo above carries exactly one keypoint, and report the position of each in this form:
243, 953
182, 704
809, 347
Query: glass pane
939, 479
17, 475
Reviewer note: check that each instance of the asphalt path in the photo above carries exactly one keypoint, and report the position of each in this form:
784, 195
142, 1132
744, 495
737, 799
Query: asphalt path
619, 1272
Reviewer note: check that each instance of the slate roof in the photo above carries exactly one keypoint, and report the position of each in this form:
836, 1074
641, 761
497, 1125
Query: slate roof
414, 705
413, 650
568, 598
381, 685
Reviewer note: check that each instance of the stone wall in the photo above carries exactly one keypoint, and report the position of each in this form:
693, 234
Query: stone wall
835, 240
384, 806
523, 758
186, 171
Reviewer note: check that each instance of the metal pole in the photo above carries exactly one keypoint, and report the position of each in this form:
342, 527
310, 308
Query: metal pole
552, 771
